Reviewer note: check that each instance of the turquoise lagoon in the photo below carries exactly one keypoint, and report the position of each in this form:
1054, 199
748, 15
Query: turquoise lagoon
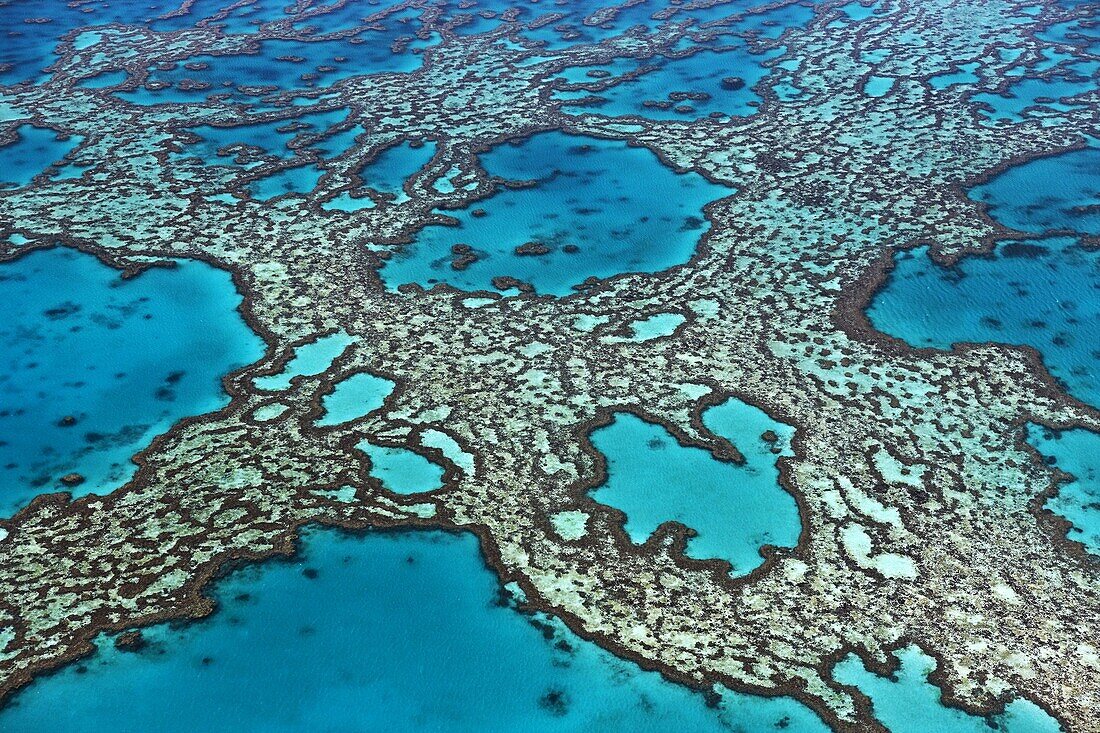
1077, 452
123, 358
400, 631
34, 150
1042, 292
409, 631
735, 509
309, 359
354, 397
596, 209
402, 471
908, 703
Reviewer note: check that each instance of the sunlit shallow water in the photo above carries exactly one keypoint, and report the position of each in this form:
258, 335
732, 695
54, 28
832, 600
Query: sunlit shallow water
95, 366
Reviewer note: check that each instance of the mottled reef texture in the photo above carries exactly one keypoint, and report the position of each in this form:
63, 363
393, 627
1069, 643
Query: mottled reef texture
921, 452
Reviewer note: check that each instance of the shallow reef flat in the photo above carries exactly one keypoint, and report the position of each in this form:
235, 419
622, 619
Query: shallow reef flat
504, 257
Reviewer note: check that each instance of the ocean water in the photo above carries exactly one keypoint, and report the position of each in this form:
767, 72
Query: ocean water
1065, 85
717, 82
386, 175
734, 508
309, 359
353, 397
290, 63
402, 471
1077, 452
1042, 292
598, 208
1057, 193
36, 149
908, 703
400, 631
219, 145
124, 359
28, 47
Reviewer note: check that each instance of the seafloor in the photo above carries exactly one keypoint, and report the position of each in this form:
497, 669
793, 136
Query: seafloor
643, 366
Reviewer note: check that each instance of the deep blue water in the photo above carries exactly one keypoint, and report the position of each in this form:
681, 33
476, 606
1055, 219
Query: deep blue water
385, 175
124, 358
618, 206
28, 47
1045, 294
734, 508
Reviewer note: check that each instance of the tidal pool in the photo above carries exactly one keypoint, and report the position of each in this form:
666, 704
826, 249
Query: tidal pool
401, 470
400, 631
309, 359
598, 208
94, 366
1076, 452
735, 509
909, 703
354, 397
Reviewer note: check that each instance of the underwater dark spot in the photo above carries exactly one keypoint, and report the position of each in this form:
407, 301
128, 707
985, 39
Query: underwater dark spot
691, 224
1023, 249
207, 661
555, 702
656, 444
62, 311
310, 573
